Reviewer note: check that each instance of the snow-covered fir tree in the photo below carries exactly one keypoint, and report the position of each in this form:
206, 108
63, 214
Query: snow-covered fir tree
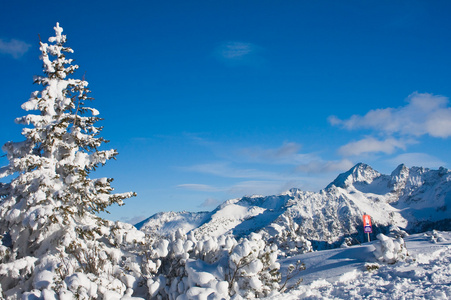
48, 209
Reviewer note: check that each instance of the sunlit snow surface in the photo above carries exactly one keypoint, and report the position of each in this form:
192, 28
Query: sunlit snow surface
342, 274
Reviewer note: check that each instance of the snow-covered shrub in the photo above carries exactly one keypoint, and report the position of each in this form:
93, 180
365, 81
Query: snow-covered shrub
371, 267
15, 274
292, 271
395, 231
435, 236
125, 236
390, 250
182, 267
253, 268
5, 253
347, 242
170, 265
293, 243
290, 240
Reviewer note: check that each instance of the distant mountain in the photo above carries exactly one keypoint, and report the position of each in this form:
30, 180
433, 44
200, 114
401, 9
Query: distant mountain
165, 223
411, 199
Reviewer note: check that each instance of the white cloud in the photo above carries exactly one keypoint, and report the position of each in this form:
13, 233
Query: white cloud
417, 160
14, 47
372, 145
439, 123
424, 114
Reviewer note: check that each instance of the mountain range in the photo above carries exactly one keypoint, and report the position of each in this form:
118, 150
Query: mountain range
408, 200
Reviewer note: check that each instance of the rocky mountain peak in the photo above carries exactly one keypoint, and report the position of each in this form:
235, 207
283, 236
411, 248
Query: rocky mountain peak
360, 173
399, 177
401, 171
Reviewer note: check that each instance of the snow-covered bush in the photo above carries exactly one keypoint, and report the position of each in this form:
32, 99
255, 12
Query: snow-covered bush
395, 231
182, 267
292, 271
435, 236
172, 266
58, 246
5, 253
390, 250
293, 243
347, 242
371, 267
253, 268
290, 240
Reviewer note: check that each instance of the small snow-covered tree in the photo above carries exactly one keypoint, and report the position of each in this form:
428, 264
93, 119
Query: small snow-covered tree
253, 268
390, 250
50, 205
289, 238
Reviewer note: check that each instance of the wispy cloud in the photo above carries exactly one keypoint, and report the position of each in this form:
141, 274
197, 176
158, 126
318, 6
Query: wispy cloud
373, 145
235, 53
289, 154
14, 47
321, 166
235, 50
263, 170
424, 114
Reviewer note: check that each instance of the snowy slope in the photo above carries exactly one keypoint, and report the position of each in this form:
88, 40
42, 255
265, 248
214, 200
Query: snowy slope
414, 199
342, 273
164, 223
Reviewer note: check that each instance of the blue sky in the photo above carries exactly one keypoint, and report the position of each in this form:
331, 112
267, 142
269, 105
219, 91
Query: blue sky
211, 100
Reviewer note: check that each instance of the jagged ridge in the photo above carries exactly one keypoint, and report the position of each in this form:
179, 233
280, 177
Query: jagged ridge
414, 199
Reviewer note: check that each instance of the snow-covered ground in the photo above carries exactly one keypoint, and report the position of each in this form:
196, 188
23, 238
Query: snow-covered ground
342, 273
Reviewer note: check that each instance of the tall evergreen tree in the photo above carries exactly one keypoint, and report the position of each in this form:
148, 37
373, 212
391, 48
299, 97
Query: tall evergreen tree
51, 202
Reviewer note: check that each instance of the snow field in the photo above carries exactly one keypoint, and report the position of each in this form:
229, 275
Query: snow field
342, 273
